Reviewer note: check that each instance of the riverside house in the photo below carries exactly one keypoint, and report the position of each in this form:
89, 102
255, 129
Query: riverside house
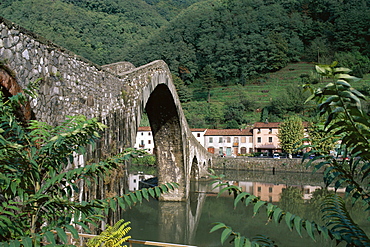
229, 142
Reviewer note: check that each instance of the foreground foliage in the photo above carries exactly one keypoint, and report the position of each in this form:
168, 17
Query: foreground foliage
40, 185
341, 106
113, 236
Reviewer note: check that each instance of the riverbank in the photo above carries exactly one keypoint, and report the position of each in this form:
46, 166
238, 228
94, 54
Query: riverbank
261, 164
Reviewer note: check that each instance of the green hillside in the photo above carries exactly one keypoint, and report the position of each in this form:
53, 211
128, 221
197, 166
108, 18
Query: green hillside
261, 93
234, 61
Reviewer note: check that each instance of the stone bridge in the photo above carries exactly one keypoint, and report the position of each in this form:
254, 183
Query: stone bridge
116, 94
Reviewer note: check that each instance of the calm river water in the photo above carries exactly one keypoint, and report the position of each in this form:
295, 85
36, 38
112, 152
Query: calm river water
190, 222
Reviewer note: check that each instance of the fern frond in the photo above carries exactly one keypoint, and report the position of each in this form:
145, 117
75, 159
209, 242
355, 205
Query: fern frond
113, 236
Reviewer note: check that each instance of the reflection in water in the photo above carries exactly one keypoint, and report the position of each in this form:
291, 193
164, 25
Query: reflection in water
190, 222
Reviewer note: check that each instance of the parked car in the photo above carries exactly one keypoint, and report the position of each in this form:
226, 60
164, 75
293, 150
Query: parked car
276, 156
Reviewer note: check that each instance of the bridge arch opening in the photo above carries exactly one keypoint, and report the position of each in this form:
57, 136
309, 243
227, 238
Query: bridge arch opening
166, 129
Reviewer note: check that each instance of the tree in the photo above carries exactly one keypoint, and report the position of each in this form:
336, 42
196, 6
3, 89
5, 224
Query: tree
290, 101
319, 139
291, 133
39, 185
234, 110
182, 90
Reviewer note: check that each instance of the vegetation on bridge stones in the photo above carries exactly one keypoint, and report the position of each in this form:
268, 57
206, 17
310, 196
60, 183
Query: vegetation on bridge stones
40, 185
341, 106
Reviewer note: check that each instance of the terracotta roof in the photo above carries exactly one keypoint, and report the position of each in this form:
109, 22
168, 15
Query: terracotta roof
228, 132
272, 124
144, 128
266, 125
197, 130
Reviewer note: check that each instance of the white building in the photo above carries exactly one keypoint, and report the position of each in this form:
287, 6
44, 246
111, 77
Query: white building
229, 142
144, 139
199, 135
134, 180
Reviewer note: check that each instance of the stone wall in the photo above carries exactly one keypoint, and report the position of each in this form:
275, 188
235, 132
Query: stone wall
260, 164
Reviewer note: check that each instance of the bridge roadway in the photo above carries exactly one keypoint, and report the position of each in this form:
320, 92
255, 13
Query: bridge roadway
116, 94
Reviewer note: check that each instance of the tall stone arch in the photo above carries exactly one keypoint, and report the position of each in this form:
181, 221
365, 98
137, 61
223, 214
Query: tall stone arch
167, 134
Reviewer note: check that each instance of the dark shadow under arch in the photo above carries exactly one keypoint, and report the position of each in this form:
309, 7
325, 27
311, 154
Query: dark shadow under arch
166, 128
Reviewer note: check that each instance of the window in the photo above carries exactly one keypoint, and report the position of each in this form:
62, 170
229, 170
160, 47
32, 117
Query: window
211, 140
270, 189
270, 139
142, 133
142, 142
220, 140
221, 151
270, 130
149, 141
149, 133
236, 139
244, 139
228, 139
259, 189
198, 135
259, 139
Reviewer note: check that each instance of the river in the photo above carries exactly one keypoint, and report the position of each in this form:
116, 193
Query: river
190, 222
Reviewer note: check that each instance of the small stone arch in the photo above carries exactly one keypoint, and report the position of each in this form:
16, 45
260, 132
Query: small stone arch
194, 171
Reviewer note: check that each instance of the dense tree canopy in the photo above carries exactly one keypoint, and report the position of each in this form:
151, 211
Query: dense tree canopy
242, 39
209, 43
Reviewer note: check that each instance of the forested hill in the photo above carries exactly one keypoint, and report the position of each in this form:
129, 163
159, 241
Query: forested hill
235, 40
101, 31
210, 44
226, 41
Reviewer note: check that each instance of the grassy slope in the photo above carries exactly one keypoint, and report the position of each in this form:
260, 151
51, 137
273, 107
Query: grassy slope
263, 90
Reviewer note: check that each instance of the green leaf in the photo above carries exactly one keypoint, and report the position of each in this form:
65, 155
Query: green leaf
288, 220
217, 226
157, 191
239, 197
225, 234
27, 242
121, 202
145, 194
139, 196
62, 235
309, 229
151, 192
127, 200
113, 204
257, 206
298, 224
50, 237
15, 243
133, 198
73, 231
277, 215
